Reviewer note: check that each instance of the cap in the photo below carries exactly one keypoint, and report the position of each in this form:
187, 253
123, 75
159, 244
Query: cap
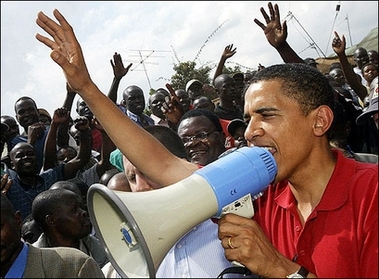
369, 111
42, 111
192, 82
234, 124
310, 61
238, 75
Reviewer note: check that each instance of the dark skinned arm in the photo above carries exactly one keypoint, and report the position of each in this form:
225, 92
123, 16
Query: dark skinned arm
119, 71
60, 116
63, 134
339, 45
276, 34
226, 54
84, 153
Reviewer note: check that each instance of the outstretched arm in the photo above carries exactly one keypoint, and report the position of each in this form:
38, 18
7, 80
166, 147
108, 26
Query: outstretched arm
339, 45
228, 52
63, 137
276, 34
119, 71
60, 116
140, 147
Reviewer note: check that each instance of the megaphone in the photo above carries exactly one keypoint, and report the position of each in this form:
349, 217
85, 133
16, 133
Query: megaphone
138, 229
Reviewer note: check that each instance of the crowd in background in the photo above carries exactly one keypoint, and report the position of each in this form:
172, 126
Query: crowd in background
49, 160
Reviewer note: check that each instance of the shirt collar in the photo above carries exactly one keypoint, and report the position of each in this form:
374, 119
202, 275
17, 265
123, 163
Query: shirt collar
335, 194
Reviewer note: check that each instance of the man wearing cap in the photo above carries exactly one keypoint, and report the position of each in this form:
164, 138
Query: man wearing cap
311, 62
194, 88
370, 112
236, 129
44, 116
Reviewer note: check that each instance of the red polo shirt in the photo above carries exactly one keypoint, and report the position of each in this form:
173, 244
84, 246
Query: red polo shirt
340, 237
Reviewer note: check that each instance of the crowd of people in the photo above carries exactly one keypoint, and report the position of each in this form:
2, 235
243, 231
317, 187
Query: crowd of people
318, 218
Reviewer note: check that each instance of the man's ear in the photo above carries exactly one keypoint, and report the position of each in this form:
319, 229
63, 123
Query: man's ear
50, 220
323, 120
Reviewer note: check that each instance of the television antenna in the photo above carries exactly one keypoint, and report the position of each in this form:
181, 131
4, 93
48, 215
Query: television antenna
142, 60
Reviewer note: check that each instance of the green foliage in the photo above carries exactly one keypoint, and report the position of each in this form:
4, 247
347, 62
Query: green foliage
185, 71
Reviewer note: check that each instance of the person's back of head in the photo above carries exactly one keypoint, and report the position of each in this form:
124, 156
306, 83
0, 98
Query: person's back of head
203, 102
169, 139
104, 179
69, 185
30, 230
119, 182
133, 99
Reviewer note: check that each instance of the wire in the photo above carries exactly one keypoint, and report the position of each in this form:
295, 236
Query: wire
338, 7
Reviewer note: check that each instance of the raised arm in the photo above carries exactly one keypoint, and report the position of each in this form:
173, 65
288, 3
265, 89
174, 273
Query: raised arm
228, 52
140, 147
107, 146
276, 34
119, 71
339, 45
84, 153
63, 135
60, 116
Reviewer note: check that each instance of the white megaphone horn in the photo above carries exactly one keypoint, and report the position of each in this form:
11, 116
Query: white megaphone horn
138, 229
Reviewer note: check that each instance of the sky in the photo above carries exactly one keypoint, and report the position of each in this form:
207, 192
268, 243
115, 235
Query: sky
155, 35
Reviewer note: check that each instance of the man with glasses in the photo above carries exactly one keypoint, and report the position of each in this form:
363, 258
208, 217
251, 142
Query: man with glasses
202, 135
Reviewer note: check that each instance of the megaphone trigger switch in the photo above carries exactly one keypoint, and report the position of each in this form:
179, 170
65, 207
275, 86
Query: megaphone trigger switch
243, 207
128, 235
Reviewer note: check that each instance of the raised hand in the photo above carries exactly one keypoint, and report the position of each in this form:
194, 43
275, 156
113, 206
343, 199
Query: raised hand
118, 66
229, 51
35, 132
66, 50
61, 115
338, 44
81, 123
172, 108
6, 183
276, 33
